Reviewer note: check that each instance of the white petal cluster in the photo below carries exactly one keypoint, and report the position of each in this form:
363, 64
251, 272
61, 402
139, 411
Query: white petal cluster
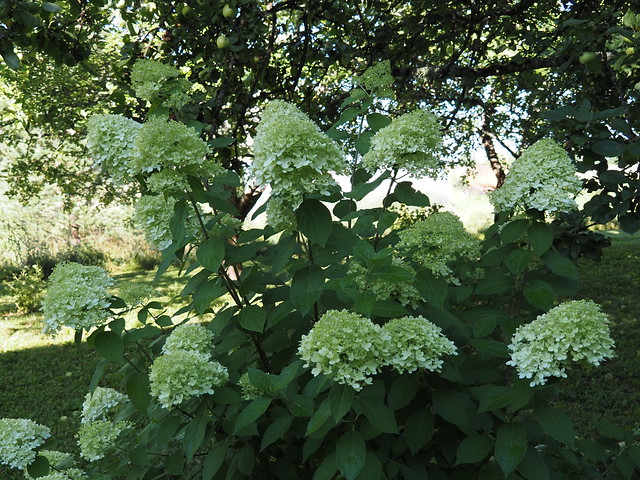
350, 348
186, 369
183, 374
192, 337
543, 178
416, 343
152, 80
411, 142
97, 438
153, 215
55, 476
19, 438
573, 331
344, 346
249, 390
101, 403
377, 80
404, 291
293, 156
76, 297
110, 139
437, 241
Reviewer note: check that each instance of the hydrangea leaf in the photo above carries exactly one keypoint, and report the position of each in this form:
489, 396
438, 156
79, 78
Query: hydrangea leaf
511, 446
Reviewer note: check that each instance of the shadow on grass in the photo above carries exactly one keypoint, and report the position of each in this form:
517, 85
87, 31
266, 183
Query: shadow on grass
48, 385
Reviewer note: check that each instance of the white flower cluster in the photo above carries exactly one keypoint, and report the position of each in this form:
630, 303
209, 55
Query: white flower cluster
405, 292
153, 214
573, 331
437, 241
101, 403
294, 157
543, 178
151, 80
350, 348
416, 343
411, 142
377, 80
192, 337
249, 390
186, 369
19, 437
110, 139
97, 438
76, 297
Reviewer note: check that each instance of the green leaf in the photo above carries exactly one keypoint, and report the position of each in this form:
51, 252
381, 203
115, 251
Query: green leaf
511, 446
344, 207
521, 393
327, 468
607, 148
473, 449
221, 142
97, 375
492, 397
139, 456
513, 231
540, 236
10, 58
491, 347
206, 293
251, 413
340, 400
406, 194
194, 434
300, 405
484, 326
51, 7
306, 287
110, 346
418, 429
539, 294
139, 391
211, 253
363, 143
361, 190
350, 454
533, 467
177, 225
560, 265
518, 261
253, 318
314, 221
433, 289
377, 121
319, 418
276, 430
215, 459
492, 283
39, 467
167, 430
378, 414
403, 390
175, 463
555, 423
389, 309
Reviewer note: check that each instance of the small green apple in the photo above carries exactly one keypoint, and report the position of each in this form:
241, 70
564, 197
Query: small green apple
223, 42
587, 57
228, 12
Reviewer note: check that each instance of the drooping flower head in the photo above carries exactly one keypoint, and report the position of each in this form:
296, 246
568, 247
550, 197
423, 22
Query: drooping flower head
76, 297
97, 439
110, 140
184, 374
416, 343
542, 178
345, 347
191, 337
19, 438
411, 142
293, 156
100, 404
437, 241
573, 331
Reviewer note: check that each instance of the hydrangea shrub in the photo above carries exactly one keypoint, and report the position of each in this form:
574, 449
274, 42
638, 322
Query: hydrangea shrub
332, 343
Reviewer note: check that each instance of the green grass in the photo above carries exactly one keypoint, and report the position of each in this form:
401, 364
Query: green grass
612, 391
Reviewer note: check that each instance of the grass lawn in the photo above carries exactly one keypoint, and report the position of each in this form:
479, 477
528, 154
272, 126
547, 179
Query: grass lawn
46, 379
